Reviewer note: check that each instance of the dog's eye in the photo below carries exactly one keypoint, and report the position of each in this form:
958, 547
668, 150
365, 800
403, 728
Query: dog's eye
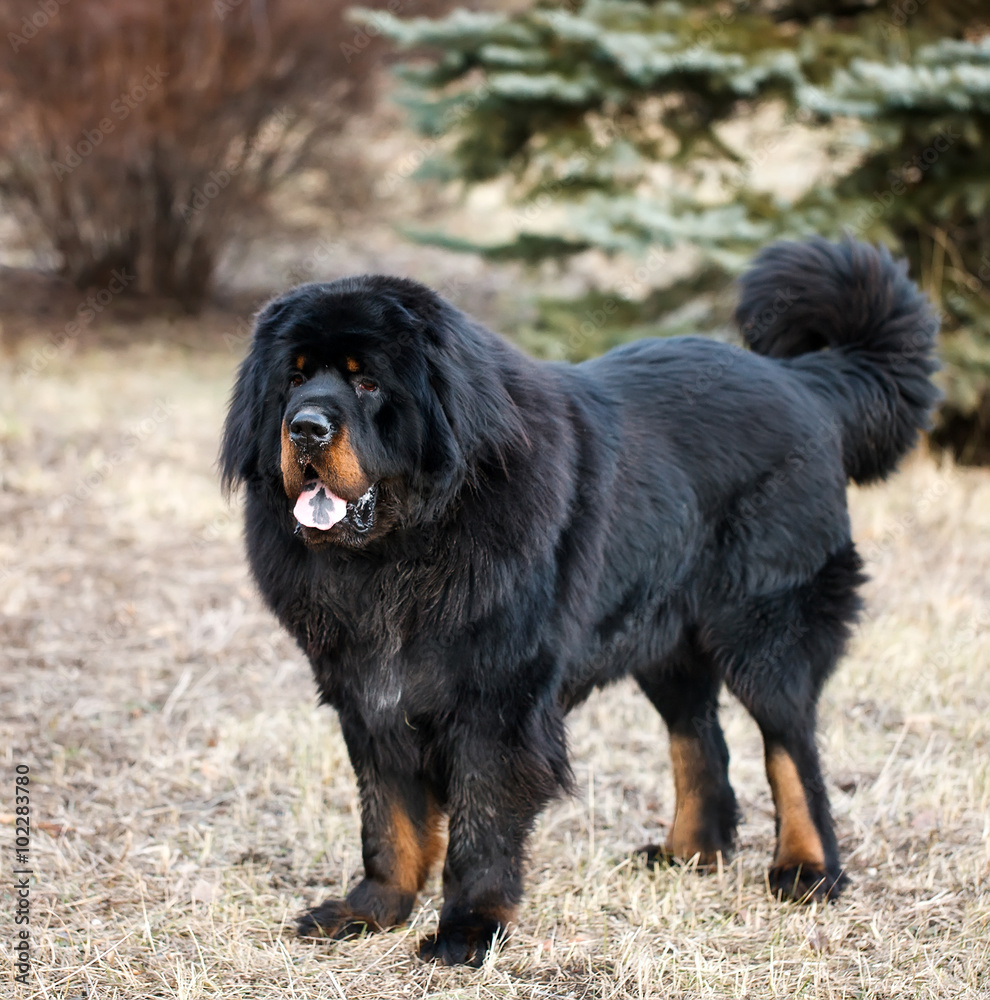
367, 385
297, 380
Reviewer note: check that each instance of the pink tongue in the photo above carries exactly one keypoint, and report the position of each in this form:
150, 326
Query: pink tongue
317, 507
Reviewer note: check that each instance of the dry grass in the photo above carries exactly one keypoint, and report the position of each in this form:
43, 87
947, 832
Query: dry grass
195, 798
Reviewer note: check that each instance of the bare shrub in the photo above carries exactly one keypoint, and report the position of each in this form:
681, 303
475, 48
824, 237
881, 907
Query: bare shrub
135, 136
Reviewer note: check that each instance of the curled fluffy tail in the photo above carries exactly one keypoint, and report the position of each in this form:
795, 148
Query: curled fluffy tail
855, 300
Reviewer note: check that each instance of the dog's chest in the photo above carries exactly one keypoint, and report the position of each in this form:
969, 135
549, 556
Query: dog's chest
381, 695
378, 690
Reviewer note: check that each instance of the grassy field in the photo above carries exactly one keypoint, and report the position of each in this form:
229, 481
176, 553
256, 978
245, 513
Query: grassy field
188, 797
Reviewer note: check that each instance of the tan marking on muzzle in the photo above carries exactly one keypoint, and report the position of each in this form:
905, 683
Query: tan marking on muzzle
292, 471
340, 469
336, 464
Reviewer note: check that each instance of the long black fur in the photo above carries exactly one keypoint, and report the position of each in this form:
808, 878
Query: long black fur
674, 510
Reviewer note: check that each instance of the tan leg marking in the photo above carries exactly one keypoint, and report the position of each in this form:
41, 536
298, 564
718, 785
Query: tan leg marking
416, 851
798, 842
505, 915
684, 839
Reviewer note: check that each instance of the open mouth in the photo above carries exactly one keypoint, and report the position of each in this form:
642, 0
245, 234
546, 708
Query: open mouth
319, 507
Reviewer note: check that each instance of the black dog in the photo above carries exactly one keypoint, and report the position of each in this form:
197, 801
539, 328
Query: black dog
466, 542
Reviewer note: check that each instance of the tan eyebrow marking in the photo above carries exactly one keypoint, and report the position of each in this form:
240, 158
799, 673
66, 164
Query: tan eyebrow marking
352, 364
301, 362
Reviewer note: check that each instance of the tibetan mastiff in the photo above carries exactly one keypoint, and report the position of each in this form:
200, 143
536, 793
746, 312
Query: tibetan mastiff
465, 542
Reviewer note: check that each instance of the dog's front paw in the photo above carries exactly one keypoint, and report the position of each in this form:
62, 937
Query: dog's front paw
654, 856
461, 942
805, 883
334, 919
658, 856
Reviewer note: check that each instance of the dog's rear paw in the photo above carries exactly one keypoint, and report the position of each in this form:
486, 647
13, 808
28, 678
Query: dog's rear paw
805, 883
334, 919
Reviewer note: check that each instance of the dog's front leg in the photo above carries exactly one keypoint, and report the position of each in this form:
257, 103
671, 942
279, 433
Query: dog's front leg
496, 789
401, 839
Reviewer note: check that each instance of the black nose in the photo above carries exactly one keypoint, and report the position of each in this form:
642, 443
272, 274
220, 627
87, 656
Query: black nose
310, 428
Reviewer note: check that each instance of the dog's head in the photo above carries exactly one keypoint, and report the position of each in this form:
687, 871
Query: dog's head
363, 404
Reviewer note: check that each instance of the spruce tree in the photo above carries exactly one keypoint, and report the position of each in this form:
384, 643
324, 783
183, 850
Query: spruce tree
626, 127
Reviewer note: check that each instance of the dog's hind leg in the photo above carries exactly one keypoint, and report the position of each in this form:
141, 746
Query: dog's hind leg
685, 690
806, 859
781, 652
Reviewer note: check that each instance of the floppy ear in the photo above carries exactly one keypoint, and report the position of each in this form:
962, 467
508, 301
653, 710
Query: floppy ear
472, 378
470, 370
442, 457
239, 445
239, 448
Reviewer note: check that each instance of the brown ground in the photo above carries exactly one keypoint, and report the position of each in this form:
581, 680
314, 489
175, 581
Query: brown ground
188, 797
